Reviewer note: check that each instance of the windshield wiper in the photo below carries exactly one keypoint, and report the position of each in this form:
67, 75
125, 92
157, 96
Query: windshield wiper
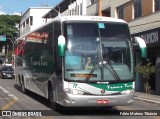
95, 66
112, 70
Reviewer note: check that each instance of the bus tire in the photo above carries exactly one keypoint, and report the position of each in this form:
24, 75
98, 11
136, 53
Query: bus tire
53, 104
23, 89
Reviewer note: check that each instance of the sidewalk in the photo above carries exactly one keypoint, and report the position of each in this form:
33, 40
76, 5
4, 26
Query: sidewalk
147, 97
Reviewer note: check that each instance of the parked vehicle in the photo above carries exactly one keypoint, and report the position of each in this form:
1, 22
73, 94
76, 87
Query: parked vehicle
7, 63
7, 72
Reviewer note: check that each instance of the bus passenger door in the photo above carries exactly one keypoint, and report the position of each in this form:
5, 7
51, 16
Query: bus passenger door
57, 60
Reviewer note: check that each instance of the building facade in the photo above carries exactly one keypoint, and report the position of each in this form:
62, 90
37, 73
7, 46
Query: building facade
32, 18
143, 17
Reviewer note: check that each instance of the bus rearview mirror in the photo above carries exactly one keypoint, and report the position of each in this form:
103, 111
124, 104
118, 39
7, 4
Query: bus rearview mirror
61, 45
142, 45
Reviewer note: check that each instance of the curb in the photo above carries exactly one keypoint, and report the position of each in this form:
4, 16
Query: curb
147, 100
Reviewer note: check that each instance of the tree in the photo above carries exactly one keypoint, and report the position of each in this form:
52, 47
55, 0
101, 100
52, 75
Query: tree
146, 69
8, 24
8, 27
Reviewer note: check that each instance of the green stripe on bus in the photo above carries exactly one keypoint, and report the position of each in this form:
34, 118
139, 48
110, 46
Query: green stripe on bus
114, 87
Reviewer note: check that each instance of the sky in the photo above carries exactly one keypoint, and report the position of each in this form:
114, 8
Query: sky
20, 6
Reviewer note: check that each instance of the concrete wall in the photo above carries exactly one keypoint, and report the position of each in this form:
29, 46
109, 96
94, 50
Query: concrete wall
93, 9
145, 23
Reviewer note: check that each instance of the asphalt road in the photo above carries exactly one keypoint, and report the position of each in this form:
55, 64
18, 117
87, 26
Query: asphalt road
14, 102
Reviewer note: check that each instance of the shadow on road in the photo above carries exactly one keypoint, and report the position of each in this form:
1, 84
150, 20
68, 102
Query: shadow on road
89, 111
72, 110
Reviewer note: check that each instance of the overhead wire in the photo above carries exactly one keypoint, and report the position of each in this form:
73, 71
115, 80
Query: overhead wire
6, 8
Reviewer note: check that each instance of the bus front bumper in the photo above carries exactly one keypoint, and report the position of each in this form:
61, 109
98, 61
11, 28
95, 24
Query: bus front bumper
85, 100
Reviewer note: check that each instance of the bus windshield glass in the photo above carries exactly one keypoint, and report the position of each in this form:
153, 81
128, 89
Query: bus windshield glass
97, 52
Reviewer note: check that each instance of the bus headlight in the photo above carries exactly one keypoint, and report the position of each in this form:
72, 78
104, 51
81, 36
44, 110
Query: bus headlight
74, 91
126, 92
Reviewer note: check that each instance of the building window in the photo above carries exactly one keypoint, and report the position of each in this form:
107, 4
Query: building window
142, 8
21, 27
120, 11
24, 25
137, 8
31, 20
93, 1
27, 21
157, 5
125, 11
147, 7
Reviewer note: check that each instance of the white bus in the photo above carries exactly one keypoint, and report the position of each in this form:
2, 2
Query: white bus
78, 61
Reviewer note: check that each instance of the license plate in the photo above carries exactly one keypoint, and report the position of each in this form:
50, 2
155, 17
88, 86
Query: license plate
102, 101
9, 75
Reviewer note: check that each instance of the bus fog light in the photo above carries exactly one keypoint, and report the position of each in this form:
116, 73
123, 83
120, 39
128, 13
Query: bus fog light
73, 101
130, 101
125, 92
69, 101
74, 91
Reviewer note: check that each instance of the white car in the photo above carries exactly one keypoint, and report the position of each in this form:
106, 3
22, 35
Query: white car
6, 63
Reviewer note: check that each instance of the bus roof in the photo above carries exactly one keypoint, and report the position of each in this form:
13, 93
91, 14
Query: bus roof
78, 18
90, 18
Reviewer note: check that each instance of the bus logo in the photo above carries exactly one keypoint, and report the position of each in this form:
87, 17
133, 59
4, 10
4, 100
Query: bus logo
102, 91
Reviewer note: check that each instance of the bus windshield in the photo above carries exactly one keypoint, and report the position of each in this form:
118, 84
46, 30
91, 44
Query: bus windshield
97, 52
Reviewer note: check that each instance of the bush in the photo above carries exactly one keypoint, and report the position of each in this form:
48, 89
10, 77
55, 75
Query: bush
146, 69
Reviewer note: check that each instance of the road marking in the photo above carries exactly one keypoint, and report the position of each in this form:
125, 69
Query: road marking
1, 87
6, 98
147, 100
11, 95
7, 92
14, 98
7, 106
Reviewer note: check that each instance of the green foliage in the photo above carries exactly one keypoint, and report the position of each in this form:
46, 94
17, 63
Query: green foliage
8, 27
8, 24
146, 69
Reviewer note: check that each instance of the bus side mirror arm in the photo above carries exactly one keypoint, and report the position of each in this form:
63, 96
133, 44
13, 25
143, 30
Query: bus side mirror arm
142, 45
61, 46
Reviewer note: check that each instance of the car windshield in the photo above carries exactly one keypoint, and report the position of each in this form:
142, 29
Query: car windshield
7, 69
7, 62
89, 48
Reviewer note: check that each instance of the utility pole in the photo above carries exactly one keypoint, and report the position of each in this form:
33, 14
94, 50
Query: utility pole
99, 7
13, 44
